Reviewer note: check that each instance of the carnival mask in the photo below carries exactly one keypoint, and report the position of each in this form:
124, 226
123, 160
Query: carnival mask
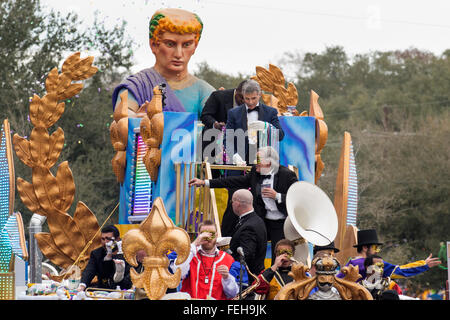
288, 252
326, 268
212, 236
375, 248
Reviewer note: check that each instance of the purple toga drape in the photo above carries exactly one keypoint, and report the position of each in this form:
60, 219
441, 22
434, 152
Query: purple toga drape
141, 86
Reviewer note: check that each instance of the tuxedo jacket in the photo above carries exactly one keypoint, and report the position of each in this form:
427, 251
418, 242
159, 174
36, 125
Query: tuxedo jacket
250, 234
104, 270
216, 107
282, 180
237, 119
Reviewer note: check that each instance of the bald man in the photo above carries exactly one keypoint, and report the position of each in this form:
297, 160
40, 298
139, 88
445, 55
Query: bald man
250, 232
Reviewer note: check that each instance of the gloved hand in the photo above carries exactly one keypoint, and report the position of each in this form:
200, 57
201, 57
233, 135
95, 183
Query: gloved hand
237, 160
120, 270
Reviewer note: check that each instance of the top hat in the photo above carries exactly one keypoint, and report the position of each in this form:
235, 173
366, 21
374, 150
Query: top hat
367, 237
329, 246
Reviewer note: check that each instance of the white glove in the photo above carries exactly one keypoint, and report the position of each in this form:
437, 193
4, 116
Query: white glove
258, 125
238, 160
120, 270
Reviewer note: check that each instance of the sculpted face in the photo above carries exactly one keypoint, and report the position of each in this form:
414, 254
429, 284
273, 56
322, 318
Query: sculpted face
173, 52
325, 266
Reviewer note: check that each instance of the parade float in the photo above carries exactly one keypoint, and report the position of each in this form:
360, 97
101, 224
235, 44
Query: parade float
170, 220
155, 157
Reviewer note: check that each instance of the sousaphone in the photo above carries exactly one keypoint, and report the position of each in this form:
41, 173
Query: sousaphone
311, 218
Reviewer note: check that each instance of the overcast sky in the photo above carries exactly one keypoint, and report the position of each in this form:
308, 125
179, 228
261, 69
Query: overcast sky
239, 35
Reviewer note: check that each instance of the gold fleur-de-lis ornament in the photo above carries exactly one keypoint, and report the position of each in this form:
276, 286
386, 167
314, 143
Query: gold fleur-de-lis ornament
155, 236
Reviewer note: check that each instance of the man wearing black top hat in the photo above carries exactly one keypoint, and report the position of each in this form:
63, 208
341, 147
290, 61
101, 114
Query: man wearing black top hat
368, 244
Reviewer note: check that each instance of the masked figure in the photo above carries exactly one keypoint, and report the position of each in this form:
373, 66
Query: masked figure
325, 269
174, 36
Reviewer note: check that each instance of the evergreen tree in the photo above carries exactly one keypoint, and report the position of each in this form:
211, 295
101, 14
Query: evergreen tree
33, 42
395, 106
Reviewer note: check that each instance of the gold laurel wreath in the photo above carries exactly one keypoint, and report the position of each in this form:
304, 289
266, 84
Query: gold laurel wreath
71, 239
273, 81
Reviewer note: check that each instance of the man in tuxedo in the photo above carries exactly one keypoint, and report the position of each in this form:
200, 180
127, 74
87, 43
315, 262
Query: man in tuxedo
250, 233
214, 113
239, 118
237, 140
268, 182
214, 118
107, 263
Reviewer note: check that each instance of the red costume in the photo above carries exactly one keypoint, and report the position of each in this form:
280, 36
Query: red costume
203, 280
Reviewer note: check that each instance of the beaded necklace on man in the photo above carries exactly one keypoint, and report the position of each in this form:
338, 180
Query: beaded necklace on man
206, 269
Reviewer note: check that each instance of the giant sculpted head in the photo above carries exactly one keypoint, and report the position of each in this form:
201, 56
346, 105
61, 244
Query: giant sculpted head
174, 36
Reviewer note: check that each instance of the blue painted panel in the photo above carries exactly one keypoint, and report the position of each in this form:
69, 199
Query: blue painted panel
298, 145
178, 145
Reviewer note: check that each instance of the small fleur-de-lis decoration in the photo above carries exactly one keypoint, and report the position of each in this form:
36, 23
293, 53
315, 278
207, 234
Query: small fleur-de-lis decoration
156, 235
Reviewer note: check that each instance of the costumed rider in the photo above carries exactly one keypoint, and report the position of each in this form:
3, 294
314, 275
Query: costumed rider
174, 36
368, 245
206, 272
107, 263
277, 276
375, 282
